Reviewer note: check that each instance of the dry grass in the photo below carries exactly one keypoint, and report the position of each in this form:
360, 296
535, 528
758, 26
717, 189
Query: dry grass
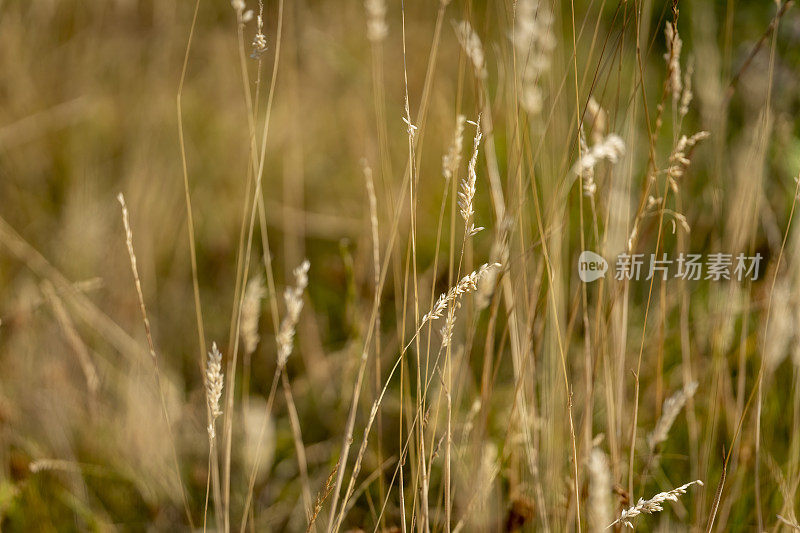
344, 317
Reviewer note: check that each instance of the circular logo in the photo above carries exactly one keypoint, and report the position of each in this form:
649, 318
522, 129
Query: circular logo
591, 266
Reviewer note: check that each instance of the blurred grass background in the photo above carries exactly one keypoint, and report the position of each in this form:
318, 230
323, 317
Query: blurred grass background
88, 109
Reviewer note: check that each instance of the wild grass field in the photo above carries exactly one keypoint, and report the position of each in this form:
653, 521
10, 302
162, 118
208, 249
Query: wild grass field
385, 265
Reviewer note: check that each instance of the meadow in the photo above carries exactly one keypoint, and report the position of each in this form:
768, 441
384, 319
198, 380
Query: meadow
446, 266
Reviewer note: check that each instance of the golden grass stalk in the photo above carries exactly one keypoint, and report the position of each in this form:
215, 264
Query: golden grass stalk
377, 30
653, 505
669, 412
293, 298
151, 346
214, 383
251, 312
534, 43
452, 159
600, 486
472, 46
467, 284
673, 59
466, 196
